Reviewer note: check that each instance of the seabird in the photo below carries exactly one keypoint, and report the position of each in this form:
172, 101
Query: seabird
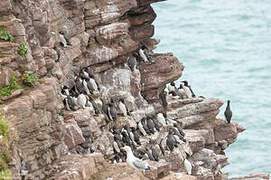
57, 53
155, 154
125, 138
145, 125
161, 147
136, 136
133, 161
85, 85
156, 125
79, 85
63, 40
188, 90
82, 100
179, 129
115, 146
143, 56
68, 103
92, 85
228, 112
94, 105
188, 166
181, 92
141, 128
172, 89
150, 125
149, 153
112, 111
132, 62
161, 119
171, 141
122, 107
177, 133
65, 91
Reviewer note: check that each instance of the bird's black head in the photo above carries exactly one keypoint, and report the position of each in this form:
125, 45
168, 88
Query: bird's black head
185, 82
181, 86
228, 101
61, 32
172, 83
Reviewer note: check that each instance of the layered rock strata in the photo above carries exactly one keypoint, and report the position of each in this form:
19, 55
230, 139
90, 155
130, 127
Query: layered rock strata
57, 144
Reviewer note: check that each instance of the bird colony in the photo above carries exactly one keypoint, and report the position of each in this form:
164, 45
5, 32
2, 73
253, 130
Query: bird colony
131, 144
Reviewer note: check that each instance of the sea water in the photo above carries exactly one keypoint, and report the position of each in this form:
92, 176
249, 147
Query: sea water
225, 46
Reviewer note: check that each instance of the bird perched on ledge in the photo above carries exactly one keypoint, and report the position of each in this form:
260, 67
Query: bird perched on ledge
134, 161
228, 112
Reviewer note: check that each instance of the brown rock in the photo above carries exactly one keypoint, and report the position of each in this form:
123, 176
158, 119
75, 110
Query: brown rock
154, 76
255, 176
73, 135
225, 131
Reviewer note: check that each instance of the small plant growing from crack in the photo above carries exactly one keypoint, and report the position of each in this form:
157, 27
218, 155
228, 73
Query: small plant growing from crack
22, 50
4, 35
7, 90
30, 79
5, 143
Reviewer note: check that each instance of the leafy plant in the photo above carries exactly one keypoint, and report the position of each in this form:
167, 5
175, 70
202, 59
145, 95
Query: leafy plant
3, 127
4, 35
22, 50
29, 78
7, 90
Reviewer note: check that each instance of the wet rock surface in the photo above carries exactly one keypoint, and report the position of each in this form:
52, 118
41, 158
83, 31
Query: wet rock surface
56, 142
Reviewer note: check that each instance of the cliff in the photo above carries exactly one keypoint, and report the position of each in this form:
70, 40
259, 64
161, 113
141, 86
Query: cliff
54, 143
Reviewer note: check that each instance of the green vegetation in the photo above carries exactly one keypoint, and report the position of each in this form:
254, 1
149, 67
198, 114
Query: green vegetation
4, 129
29, 79
7, 90
5, 172
22, 50
4, 35
53, 73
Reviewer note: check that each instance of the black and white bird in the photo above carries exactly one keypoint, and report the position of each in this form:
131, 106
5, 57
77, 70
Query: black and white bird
171, 141
136, 136
122, 108
68, 103
181, 92
188, 167
92, 85
63, 40
112, 111
79, 87
172, 89
161, 119
132, 62
150, 125
57, 53
179, 129
94, 105
143, 55
145, 125
188, 90
155, 154
161, 147
82, 101
141, 128
228, 112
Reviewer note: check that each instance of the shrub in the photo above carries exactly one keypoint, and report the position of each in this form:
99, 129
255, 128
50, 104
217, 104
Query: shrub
4, 35
3, 127
7, 90
29, 78
22, 50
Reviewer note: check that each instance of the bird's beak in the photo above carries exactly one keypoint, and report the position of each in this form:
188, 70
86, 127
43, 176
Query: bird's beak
122, 148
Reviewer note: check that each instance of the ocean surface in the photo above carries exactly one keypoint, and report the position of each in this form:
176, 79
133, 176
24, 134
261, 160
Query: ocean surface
225, 46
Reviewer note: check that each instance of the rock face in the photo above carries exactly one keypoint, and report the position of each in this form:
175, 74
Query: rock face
54, 143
